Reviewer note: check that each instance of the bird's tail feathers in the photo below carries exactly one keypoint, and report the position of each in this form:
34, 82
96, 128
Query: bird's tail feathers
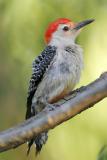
39, 141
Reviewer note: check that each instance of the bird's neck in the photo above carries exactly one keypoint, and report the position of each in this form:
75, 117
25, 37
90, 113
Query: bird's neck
62, 42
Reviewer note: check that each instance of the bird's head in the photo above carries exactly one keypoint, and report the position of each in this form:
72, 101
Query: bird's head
64, 28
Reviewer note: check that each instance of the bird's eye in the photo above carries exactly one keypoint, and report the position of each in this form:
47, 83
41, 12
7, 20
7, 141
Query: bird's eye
66, 28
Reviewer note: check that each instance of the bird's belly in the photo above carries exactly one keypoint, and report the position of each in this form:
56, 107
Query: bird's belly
57, 83
60, 78
60, 93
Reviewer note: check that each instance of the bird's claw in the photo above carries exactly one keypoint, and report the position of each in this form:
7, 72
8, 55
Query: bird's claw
51, 107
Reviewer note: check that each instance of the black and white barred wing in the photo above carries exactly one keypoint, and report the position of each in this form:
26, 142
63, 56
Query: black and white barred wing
40, 65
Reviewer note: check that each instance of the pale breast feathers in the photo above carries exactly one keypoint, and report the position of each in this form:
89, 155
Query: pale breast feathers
61, 76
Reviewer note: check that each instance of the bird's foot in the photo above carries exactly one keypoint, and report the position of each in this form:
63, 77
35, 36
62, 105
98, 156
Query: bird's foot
74, 93
82, 88
50, 107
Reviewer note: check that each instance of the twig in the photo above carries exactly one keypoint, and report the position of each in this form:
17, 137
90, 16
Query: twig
72, 105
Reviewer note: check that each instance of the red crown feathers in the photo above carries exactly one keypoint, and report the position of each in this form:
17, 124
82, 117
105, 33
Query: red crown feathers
53, 27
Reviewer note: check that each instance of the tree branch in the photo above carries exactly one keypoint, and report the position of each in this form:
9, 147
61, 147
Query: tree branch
80, 100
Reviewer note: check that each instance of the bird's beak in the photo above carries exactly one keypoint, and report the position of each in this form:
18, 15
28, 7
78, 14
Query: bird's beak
82, 24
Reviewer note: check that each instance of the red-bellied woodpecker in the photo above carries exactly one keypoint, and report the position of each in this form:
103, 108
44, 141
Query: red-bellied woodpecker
56, 70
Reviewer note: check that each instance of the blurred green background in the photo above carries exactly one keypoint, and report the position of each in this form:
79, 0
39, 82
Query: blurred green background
22, 27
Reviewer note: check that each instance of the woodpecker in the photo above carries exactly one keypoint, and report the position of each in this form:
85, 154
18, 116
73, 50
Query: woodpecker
55, 71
